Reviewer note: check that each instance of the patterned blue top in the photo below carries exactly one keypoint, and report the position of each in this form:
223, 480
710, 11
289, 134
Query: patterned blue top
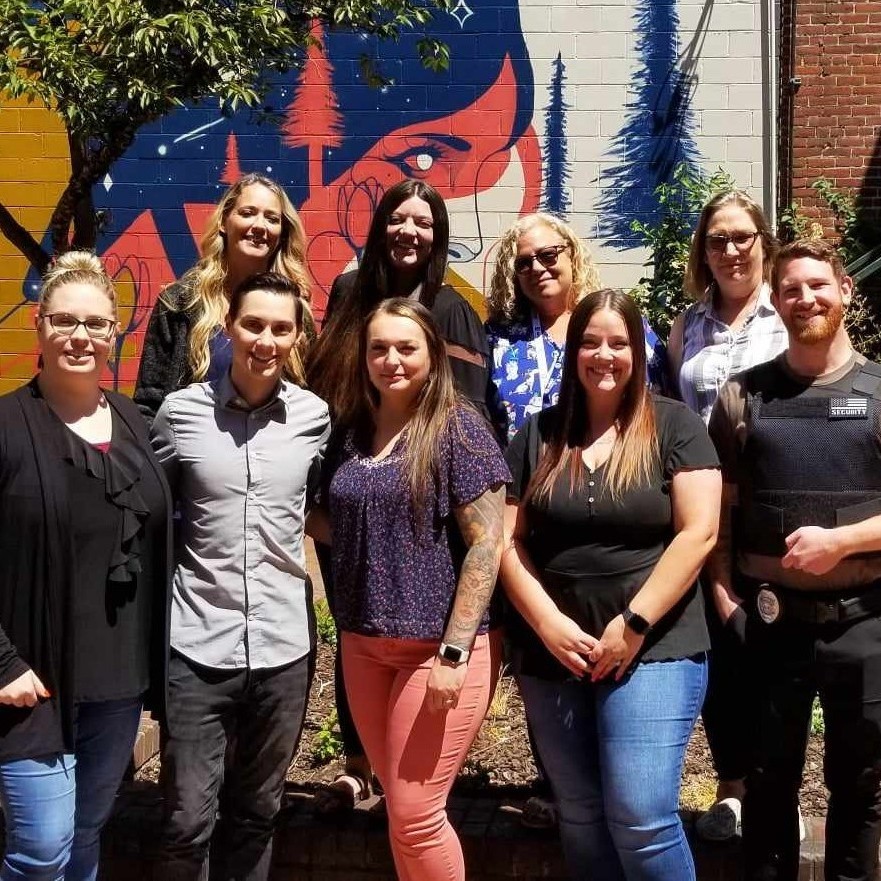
391, 579
527, 378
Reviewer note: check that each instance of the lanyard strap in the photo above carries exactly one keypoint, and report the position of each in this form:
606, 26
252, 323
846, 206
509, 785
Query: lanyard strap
541, 357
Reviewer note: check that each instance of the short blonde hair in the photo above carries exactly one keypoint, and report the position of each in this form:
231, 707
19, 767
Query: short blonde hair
506, 302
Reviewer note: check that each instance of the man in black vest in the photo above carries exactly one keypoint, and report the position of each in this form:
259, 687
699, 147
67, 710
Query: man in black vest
800, 442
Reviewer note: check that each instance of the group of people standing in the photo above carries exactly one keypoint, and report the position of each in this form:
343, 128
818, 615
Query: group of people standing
430, 456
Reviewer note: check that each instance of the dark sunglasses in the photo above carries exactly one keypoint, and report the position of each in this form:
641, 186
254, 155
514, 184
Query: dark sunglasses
546, 256
742, 241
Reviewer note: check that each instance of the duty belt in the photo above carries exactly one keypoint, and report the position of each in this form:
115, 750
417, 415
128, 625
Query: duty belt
774, 603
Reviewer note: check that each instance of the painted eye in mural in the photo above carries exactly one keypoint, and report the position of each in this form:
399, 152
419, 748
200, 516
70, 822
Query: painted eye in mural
421, 159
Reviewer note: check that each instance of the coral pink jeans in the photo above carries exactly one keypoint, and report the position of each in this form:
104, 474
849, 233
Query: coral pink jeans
415, 753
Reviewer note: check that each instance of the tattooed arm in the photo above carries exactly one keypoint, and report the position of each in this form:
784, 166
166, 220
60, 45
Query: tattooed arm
481, 525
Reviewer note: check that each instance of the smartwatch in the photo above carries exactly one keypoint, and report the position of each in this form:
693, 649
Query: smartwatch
635, 622
453, 653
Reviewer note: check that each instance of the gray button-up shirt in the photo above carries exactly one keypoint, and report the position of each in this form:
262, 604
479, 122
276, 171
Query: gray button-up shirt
241, 479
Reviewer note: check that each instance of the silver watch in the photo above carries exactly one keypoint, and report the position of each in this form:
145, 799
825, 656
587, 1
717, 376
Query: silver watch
453, 653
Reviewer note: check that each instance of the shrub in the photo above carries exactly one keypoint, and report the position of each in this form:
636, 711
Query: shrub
324, 623
660, 295
327, 743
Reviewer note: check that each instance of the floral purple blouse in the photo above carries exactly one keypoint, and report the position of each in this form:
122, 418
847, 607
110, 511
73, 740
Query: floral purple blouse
391, 579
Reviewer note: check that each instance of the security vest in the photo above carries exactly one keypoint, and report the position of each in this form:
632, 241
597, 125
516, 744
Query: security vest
812, 456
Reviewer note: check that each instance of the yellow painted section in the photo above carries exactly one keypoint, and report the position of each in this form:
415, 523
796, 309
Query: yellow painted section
33, 171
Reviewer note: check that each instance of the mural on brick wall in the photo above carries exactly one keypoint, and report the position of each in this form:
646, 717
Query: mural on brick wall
497, 134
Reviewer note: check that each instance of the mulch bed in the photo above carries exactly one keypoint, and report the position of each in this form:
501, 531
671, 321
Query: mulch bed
500, 760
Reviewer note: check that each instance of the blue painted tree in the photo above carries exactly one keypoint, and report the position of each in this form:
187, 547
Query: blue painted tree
657, 134
555, 152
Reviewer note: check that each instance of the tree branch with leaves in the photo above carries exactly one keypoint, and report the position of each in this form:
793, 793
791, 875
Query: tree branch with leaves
109, 67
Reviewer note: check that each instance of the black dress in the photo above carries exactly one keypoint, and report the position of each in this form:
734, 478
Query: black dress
457, 323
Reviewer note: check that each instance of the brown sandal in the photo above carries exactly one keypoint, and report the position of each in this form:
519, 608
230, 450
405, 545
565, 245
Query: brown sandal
340, 797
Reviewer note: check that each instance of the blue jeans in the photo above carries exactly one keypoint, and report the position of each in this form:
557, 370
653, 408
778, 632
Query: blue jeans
614, 754
56, 805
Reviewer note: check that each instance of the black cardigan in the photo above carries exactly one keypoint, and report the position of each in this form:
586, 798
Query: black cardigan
164, 366
36, 579
458, 324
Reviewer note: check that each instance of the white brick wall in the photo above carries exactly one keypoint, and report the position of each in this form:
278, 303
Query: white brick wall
599, 48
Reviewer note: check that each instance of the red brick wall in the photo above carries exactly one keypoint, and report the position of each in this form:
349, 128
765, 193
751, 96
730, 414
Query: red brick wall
836, 112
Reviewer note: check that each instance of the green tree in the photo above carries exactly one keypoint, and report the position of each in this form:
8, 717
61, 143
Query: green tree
108, 67
668, 240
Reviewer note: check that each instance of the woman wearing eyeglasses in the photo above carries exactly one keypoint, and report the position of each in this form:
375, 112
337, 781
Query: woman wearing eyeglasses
84, 538
730, 327
542, 270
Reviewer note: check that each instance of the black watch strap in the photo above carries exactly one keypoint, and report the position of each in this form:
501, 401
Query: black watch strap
635, 622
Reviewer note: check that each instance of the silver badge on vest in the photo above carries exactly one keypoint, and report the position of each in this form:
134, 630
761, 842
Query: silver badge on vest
848, 408
768, 604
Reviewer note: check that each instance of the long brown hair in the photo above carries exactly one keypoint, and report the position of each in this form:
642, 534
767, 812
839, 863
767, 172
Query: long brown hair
331, 365
635, 455
436, 408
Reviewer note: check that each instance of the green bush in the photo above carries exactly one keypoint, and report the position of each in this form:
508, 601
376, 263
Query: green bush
660, 295
857, 234
327, 743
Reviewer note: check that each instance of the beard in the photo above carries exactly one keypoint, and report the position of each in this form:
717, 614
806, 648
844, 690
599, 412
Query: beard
820, 329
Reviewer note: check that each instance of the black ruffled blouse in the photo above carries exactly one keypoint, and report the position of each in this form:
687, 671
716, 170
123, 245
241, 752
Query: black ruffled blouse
117, 526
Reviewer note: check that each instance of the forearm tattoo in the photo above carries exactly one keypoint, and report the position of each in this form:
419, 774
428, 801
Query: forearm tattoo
481, 527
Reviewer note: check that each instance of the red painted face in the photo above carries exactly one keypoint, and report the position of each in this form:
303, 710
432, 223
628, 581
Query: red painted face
461, 155
458, 165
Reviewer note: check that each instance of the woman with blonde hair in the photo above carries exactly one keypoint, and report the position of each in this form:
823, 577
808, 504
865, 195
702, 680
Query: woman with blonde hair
414, 486
730, 327
613, 507
253, 229
85, 533
542, 270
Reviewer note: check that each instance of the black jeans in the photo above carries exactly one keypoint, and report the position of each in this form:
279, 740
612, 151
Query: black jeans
728, 707
795, 661
262, 711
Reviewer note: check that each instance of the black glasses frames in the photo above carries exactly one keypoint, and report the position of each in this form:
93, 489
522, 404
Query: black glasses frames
66, 324
742, 241
546, 256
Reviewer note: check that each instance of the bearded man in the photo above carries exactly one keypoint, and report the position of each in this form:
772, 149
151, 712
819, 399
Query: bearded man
799, 438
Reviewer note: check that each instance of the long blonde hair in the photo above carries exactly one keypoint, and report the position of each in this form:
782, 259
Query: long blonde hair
506, 302
206, 282
436, 409
635, 455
